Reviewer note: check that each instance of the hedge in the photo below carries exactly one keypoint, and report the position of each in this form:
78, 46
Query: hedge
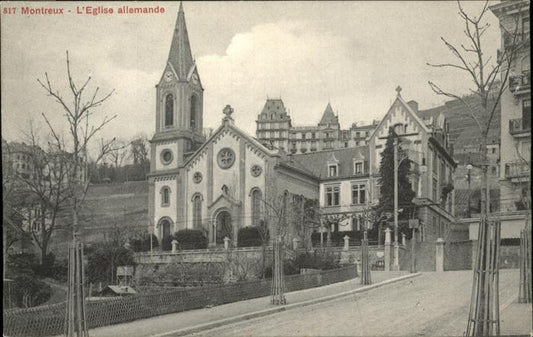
250, 237
191, 239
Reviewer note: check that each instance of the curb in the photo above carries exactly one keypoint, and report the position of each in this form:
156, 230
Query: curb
270, 311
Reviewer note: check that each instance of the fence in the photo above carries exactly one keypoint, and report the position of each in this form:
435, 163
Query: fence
49, 320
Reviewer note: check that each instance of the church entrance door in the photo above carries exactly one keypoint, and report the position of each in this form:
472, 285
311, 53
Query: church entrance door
224, 227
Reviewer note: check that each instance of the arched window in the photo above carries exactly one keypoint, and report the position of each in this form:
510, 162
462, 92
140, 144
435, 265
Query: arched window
256, 207
194, 104
197, 211
165, 196
169, 110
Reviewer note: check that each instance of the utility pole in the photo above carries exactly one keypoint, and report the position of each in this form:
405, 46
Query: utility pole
396, 262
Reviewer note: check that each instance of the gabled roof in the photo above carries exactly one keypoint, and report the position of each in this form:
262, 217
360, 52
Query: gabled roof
406, 106
228, 124
316, 162
180, 55
328, 117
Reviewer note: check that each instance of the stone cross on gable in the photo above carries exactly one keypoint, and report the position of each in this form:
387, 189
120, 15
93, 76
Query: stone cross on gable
398, 90
228, 110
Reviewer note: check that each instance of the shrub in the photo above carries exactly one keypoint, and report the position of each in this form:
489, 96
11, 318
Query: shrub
289, 268
315, 261
29, 292
104, 260
59, 270
45, 269
250, 237
20, 264
166, 243
142, 243
191, 239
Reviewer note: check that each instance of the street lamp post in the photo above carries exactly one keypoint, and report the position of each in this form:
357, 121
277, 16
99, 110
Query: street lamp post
396, 247
469, 178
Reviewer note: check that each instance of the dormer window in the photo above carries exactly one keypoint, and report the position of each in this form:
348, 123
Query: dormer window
358, 167
333, 170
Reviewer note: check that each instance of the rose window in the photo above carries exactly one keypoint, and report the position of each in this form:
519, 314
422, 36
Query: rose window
226, 158
256, 170
197, 177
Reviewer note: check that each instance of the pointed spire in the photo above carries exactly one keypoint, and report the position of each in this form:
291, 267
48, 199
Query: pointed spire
180, 55
328, 117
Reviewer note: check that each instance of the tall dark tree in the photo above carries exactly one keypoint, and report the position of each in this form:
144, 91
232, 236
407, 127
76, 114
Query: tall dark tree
386, 182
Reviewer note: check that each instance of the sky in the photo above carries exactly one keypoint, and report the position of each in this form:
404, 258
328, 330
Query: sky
351, 54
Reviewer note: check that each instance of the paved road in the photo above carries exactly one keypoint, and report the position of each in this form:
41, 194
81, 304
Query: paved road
429, 305
172, 322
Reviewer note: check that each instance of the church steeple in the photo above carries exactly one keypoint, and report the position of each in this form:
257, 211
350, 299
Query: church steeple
180, 55
179, 96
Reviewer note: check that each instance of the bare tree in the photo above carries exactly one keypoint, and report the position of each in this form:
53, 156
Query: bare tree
472, 61
118, 152
47, 188
79, 115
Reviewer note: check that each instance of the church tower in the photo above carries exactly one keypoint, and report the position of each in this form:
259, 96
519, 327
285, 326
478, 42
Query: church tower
179, 97
178, 132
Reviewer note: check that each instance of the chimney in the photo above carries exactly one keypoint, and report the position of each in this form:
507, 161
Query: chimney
413, 105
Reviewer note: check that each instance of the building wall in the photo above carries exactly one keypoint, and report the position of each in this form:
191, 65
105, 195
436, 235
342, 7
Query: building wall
514, 146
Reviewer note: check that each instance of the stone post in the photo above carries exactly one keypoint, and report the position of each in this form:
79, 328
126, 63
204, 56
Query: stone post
439, 255
346, 242
403, 239
358, 266
226, 243
295, 243
387, 249
174, 246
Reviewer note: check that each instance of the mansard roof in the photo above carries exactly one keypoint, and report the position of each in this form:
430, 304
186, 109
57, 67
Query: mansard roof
273, 108
180, 55
328, 117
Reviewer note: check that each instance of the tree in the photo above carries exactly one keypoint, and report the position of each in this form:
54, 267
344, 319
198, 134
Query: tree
79, 114
474, 62
104, 260
386, 182
74, 149
118, 153
139, 150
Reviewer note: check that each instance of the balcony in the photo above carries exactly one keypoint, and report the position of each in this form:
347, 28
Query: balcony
517, 171
521, 83
519, 126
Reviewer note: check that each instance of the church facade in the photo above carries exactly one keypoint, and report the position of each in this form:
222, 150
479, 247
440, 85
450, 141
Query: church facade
219, 184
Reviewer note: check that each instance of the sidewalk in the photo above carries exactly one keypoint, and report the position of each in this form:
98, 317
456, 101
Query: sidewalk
162, 324
515, 319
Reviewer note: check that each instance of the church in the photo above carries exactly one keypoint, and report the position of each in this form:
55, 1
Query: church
219, 184
230, 179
